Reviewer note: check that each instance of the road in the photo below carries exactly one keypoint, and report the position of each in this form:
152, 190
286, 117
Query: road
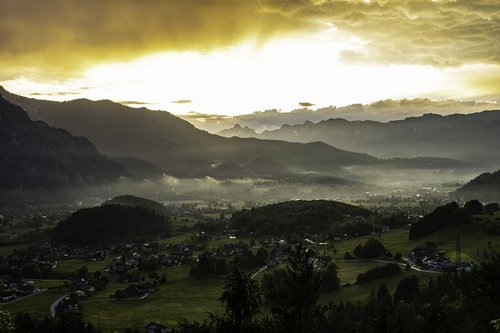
54, 305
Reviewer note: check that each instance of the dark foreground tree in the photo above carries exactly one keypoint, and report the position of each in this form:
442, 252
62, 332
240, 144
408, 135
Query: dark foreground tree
297, 309
241, 299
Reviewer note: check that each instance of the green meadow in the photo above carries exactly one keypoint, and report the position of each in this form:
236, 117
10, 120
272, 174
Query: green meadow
186, 297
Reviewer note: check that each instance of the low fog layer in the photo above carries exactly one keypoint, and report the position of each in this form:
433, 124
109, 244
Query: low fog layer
310, 186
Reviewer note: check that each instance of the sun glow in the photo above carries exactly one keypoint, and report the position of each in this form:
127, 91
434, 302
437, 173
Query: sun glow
248, 77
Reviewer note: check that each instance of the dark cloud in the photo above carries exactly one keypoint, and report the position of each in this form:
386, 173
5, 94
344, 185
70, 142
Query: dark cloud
133, 103
60, 37
306, 104
66, 35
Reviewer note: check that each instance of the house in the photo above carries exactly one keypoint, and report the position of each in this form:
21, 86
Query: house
156, 328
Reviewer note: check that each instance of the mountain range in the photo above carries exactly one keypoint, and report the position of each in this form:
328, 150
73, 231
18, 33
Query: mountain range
156, 142
469, 137
383, 110
177, 147
36, 155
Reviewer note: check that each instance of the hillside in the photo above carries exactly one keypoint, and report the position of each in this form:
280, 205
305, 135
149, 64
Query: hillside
485, 187
108, 224
179, 148
149, 141
299, 217
133, 201
35, 155
472, 137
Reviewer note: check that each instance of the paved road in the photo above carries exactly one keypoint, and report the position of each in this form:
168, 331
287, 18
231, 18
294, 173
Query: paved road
115, 299
259, 271
54, 305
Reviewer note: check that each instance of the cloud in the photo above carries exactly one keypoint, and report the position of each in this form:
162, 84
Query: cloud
439, 32
66, 35
57, 39
182, 101
60, 93
306, 104
383, 110
129, 103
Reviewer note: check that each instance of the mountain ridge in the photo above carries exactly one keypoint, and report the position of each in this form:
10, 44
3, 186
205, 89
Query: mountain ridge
36, 155
177, 148
471, 137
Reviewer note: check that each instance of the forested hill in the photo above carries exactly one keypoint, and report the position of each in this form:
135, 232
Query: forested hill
35, 155
132, 200
485, 187
297, 217
111, 224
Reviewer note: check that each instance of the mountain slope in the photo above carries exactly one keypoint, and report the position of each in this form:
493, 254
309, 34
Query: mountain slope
178, 147
473, 137
485, 187
35, 155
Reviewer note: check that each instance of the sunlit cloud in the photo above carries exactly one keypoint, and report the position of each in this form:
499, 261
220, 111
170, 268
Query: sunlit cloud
240, 56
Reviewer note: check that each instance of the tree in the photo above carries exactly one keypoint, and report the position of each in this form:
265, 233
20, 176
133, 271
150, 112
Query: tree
297, 308
407, 289
372, 248
474, 207
491, 208
329, 278
241, 298
6, 321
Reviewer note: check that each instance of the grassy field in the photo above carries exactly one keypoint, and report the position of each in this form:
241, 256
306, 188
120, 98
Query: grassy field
186, 297
473, 240
181, 297
38, 305
8, 249
71, 265
360, 293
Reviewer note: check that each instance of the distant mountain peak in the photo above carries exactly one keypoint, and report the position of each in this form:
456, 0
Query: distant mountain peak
239, 131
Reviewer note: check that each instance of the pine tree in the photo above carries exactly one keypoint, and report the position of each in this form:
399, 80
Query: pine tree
241, 298
297, 308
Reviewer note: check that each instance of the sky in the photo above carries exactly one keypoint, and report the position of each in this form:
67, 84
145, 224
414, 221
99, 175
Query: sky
240, 56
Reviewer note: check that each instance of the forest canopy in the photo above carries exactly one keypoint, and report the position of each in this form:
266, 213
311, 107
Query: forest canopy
110, 224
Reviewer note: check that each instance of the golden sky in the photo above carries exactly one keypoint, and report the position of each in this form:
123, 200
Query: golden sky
238, 56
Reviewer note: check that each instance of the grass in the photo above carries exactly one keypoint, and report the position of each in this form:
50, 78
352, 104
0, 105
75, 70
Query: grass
38, 305
186, 297
473, 240
349, 270
8, 249
361, 292
181, 297
71, 265
183, 221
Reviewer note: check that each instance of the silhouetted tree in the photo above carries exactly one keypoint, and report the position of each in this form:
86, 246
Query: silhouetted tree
297, 309
474, 207
407, 289
492, 207
329, 278
240, 298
